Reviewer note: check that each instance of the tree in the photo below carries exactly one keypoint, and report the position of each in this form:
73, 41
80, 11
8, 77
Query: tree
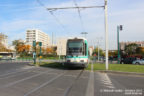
140, 50
131, 49
49, 50
113, 53
27, 48
23, 48
17, 43
101, 53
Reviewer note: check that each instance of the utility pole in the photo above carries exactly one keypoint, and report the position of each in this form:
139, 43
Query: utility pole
106, 35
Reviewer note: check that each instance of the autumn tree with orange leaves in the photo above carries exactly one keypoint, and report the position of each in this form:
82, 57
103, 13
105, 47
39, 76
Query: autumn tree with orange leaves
140, 50
49, 50
23, 48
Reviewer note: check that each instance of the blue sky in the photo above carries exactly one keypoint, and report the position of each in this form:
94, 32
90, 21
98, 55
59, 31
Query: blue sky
16, 16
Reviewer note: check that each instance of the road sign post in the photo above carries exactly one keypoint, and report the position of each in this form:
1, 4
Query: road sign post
40, 54
34, 57
34, 52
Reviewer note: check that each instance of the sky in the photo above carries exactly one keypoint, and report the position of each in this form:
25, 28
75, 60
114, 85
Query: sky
16, 16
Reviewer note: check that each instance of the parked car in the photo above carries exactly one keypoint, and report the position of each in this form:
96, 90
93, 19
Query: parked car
128, 60
140, 62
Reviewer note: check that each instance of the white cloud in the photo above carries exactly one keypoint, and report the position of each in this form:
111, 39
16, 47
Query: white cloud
19, 24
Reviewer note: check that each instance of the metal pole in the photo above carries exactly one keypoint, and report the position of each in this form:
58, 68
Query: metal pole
106, 35
52, 38
40, 54
98, 53
118, 29
60, 51
34, 51
35, 57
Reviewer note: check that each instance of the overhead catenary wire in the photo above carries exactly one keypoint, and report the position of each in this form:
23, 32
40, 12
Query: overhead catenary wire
76, 7
79, 13
51, 12
81, 7
106, 25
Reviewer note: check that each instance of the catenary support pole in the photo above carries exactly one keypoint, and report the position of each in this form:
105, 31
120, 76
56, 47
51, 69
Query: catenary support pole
106, 35
118, 44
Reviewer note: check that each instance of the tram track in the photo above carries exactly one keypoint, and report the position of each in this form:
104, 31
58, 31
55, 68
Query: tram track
66, 93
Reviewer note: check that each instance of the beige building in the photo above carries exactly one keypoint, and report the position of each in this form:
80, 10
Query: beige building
38, 36
61, 46
4, 39
91, 48
123, 44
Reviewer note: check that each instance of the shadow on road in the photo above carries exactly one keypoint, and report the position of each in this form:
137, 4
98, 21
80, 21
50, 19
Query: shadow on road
57, 65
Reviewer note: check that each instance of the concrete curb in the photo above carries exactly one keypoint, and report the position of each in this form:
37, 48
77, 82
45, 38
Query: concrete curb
122, 73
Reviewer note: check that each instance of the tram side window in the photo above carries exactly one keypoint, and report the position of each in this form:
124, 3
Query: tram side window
85, 48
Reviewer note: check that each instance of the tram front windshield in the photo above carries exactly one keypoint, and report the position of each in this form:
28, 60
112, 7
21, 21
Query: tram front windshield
75, 48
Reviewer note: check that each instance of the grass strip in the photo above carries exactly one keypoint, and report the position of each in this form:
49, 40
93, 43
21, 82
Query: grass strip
119, 67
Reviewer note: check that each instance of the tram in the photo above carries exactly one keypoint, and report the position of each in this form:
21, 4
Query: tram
77, 52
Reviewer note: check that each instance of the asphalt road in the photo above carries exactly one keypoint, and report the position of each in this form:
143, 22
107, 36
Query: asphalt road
20, 79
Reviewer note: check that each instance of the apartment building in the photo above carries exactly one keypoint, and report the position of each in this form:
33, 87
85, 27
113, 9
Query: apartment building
4, 39
38, 36
61, 46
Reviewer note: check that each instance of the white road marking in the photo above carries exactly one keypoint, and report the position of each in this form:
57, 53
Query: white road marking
21, 80
13, 72
90, 88
14, 75
42, 85
106, 80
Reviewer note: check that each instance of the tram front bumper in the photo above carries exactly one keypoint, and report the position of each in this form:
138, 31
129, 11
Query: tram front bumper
76, 64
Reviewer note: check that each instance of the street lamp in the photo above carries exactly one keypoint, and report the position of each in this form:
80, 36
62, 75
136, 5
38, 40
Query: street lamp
119, 28
84, 33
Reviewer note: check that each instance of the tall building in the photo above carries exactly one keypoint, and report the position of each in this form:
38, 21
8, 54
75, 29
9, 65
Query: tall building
38, 36
4, 39
61, 46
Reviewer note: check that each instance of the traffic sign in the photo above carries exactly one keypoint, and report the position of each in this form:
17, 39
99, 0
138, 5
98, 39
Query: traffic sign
34, 43
40, 43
